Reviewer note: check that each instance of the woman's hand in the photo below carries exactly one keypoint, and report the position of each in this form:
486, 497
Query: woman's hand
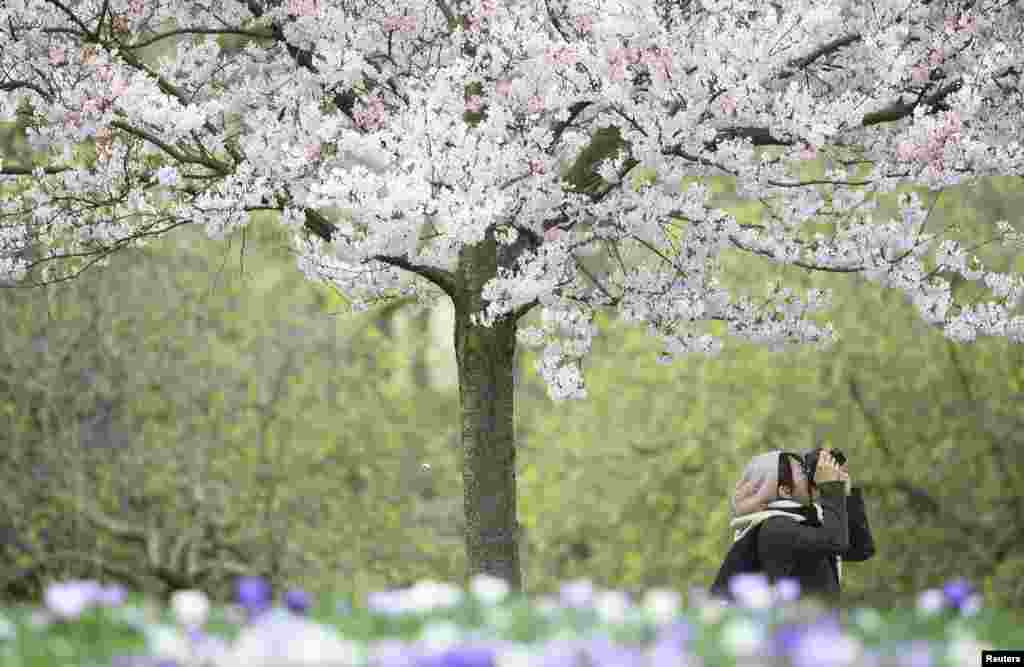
844, 474
752, 496
827, 470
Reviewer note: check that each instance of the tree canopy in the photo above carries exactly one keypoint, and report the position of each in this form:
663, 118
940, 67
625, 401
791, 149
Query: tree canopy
368, 108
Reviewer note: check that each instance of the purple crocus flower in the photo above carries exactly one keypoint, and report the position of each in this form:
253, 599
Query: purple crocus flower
141, 661
669, 646
390, 653
787, 589
601, 652
824, 645
559, 653
389, 603
253, 594
917, 653
871, 658
577, 594
111, 596
751, 590
460, 656
678, 631
957, 592
786, 639
297, 601
69, 599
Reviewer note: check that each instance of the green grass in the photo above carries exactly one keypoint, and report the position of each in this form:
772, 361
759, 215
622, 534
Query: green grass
100, 633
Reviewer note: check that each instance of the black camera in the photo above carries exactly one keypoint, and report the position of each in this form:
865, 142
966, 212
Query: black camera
811, 461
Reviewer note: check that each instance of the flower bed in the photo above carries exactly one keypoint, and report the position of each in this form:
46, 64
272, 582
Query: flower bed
438, 625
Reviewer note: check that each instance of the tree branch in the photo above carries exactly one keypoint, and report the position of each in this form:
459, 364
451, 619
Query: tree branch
117, 528
197, 31
899, 110
823, 50
15, 85
325, 229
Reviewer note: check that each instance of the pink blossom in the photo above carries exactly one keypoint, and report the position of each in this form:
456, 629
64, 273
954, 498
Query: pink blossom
906, 151
919, 73
935, 143
552, 234
92, 105
312, 152
404, 24
73, 118
372, 117
488, 8
659, 60
807, 152
118, 86
964, 23
617, 70
584, 24
302, 7
135, 7
632, 55
58, 55
474, 103
536, 167
935, 57
535, 104
727, 103
503, 87
105, 72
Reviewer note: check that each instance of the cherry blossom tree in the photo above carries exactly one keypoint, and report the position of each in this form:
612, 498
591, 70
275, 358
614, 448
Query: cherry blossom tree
418, 147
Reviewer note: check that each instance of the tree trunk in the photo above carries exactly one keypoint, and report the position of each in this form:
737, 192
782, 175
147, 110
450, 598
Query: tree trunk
486, 361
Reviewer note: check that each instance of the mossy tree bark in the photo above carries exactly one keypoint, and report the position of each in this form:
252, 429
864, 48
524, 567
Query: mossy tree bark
486, 363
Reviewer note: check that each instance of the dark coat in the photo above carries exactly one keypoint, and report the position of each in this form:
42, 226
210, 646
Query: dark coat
781, 547
806, 553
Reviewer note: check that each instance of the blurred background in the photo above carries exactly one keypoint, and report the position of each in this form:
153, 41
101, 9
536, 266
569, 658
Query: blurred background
198, 409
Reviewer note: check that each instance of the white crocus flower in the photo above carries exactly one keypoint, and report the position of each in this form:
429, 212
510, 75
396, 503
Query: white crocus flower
190, 608
612, 606
428, 595
930, 602
489, 590
662, 605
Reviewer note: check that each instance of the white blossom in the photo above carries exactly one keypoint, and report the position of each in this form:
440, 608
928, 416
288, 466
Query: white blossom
416, 184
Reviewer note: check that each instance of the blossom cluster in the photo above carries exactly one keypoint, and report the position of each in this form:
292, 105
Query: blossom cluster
364, 112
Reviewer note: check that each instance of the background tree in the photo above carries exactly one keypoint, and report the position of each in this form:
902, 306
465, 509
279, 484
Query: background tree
408, 178
652, 452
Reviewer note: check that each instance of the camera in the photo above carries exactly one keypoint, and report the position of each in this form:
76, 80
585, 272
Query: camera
811, 461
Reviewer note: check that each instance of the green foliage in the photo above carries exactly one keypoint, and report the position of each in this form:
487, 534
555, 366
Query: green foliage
306, 431
324, 482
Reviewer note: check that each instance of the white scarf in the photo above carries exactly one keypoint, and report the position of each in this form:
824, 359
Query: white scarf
744, 523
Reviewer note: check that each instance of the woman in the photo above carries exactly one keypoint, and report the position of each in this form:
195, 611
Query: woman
781, 532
